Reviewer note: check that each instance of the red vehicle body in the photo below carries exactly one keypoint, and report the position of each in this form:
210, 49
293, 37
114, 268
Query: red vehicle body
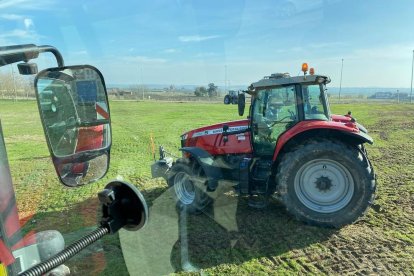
17, 250
210, 138
90, 138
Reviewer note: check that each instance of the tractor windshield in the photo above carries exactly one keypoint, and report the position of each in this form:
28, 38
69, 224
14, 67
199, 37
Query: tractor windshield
274, 111
315, 102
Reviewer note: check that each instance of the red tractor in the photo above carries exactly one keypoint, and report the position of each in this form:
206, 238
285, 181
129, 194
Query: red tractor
290, 146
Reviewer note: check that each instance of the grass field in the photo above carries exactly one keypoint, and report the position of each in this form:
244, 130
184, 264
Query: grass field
265, 241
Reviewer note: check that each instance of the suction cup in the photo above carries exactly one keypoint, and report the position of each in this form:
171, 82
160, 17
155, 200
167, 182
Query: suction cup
123, 206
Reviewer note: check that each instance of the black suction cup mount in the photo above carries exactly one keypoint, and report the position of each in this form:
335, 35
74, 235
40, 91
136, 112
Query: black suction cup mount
123, 206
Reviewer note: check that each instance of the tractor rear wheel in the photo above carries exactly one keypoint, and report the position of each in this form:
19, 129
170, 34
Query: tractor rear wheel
188, 187
227, 99
326, 183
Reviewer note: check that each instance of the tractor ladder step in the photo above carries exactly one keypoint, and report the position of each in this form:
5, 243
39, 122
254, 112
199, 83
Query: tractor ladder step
258, 201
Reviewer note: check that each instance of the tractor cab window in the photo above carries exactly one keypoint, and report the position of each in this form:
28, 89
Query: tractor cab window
274, 111
314, 102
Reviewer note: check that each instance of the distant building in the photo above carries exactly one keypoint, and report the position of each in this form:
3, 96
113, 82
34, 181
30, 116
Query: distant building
157, 90
403, 96
118, 92
390, 96
382, 96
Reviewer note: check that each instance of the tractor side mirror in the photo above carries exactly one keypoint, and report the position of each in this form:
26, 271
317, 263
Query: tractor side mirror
74, 111
241, 102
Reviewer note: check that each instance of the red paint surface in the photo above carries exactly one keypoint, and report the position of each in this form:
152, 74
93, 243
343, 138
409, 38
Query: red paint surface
214, 144
340, 123
90, 138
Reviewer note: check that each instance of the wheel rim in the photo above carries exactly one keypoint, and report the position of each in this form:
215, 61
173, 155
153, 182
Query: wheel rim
184, 188
324, 185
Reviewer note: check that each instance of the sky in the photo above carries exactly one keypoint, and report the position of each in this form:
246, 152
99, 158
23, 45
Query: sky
197, 42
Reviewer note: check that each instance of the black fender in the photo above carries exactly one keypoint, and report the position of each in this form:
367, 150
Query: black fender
206, 161
359, 137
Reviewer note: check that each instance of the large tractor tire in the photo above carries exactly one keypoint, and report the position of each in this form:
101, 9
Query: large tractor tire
188, 187
227, 99
241, 103
326, 183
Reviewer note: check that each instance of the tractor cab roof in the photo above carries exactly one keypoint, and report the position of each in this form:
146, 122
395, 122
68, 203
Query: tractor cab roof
279, 79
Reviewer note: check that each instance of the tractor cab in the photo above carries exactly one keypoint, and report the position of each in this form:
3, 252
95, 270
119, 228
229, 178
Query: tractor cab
279, 102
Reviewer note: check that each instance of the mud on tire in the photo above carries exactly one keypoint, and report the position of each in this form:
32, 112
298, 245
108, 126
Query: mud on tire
186, 180
326, 183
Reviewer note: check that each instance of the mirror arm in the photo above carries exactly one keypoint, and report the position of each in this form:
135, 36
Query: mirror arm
16, 53
54, 51
26, 52
67, 253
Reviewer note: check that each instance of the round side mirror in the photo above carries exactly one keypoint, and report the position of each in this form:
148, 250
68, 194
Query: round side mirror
241, 102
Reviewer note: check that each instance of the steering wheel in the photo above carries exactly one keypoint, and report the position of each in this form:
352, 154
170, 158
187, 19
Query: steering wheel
291, 116
66, 133
68, 140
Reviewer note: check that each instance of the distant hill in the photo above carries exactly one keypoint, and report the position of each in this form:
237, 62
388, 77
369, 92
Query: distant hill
178, 86
366, 90
189, 88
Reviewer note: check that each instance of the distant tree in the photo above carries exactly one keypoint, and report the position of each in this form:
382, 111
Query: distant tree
14, 85
212, 90
200, 91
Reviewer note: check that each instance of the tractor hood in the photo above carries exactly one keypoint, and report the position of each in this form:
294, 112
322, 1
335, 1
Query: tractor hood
210, 138
216, 128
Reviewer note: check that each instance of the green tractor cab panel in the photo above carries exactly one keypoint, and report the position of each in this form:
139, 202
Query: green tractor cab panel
74, 110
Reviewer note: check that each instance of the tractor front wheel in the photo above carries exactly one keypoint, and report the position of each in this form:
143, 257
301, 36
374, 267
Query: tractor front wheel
326, 183
189, 187
227, 99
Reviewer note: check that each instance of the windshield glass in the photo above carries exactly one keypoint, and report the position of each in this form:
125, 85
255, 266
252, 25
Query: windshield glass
314, 102
290, 187
274, 111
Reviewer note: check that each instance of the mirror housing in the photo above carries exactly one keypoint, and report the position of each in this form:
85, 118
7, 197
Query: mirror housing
241, 103
27, 68
74, 110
